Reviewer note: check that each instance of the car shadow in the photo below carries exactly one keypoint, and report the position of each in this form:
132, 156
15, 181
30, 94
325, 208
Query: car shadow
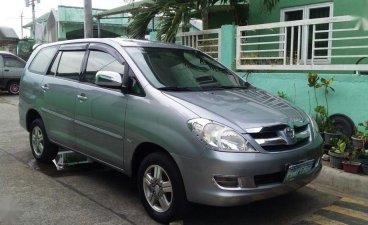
120, 194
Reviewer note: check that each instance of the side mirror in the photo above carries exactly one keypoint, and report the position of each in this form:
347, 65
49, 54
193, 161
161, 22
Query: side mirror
108, 79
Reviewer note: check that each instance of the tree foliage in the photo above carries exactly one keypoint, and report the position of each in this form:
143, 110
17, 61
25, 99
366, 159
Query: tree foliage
174, 12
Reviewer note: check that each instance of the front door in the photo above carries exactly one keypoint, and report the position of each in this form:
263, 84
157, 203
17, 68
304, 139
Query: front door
59, 95
100, 112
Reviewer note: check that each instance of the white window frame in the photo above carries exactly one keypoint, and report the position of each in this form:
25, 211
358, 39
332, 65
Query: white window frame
304, 39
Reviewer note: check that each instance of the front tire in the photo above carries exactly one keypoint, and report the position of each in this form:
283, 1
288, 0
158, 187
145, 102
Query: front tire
161, 188
13, 87
42, 149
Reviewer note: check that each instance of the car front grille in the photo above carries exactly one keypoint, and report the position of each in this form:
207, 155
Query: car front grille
276, 138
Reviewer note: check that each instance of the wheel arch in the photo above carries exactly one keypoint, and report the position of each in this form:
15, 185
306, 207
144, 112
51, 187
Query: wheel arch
9, 80
144, 149
32, 114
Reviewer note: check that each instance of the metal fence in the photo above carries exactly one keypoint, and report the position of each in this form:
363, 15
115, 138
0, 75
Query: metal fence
208, 41
336, 43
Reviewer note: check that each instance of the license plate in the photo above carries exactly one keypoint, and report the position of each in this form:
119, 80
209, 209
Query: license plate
299, 170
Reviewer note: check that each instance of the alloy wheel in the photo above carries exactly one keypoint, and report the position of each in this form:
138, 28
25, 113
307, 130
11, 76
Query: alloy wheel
157, 188
37, 141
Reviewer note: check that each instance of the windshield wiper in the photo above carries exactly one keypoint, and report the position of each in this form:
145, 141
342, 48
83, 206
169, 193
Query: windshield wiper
174, 89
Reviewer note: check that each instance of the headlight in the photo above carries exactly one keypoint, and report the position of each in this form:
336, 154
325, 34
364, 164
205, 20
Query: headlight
219, 137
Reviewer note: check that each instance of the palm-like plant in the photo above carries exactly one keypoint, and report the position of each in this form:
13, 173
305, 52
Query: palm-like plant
173, 12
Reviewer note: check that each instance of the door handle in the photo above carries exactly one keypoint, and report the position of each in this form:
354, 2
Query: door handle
45, 87
6, 70
82, 97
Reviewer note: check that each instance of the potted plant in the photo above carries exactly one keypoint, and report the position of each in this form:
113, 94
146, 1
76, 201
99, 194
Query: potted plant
360, 138
364, 166
350, 165
325, 124
363, 159
338, 154
332, 135
321, 119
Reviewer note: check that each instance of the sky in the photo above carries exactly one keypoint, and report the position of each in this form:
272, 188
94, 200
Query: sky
11, 10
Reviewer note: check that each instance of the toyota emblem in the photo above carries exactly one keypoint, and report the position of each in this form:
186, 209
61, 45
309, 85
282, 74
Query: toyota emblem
290, 132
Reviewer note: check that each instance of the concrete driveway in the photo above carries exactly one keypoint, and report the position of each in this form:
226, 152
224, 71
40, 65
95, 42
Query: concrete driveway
33, 193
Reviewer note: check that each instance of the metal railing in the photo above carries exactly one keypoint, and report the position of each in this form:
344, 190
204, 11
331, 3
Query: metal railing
336, 43
208, 41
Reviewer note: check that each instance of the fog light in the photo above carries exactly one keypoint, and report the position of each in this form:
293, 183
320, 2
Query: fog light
227, 181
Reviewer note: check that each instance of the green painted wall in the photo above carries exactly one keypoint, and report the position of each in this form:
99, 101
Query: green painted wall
228, 46
153, 36
259, 15
350, 97
217, 19
224, 14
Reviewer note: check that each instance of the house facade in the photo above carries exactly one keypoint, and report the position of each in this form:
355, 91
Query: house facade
337, 50
329, 49
66, 23
8, 40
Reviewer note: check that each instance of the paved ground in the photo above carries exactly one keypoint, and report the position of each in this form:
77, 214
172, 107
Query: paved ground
32, 193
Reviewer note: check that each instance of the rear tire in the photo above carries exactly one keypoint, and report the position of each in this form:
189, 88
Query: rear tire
161, 188
13, 87
42, 149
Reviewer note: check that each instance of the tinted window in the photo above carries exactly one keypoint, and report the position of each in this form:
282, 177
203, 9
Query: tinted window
13, 62
42, 60
101, 61
70, 64
183, 69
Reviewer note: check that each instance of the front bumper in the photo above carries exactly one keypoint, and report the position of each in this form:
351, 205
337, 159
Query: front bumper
201, 188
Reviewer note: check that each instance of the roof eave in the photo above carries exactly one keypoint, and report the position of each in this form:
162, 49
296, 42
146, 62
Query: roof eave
130, 7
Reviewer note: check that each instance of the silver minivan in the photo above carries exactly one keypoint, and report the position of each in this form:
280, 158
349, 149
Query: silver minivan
185, 127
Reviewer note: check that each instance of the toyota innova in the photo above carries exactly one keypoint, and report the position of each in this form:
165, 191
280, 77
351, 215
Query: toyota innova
182, 125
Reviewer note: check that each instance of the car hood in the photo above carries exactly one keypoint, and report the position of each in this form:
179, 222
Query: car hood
247, 108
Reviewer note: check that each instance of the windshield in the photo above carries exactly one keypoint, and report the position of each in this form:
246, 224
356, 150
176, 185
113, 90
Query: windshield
183, 70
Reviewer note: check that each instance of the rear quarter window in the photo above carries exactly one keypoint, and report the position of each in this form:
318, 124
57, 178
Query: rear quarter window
42, 60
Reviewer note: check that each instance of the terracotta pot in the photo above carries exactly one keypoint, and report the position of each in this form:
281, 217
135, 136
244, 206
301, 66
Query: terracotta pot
337, 159
365, 168
358, 143
351, 167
